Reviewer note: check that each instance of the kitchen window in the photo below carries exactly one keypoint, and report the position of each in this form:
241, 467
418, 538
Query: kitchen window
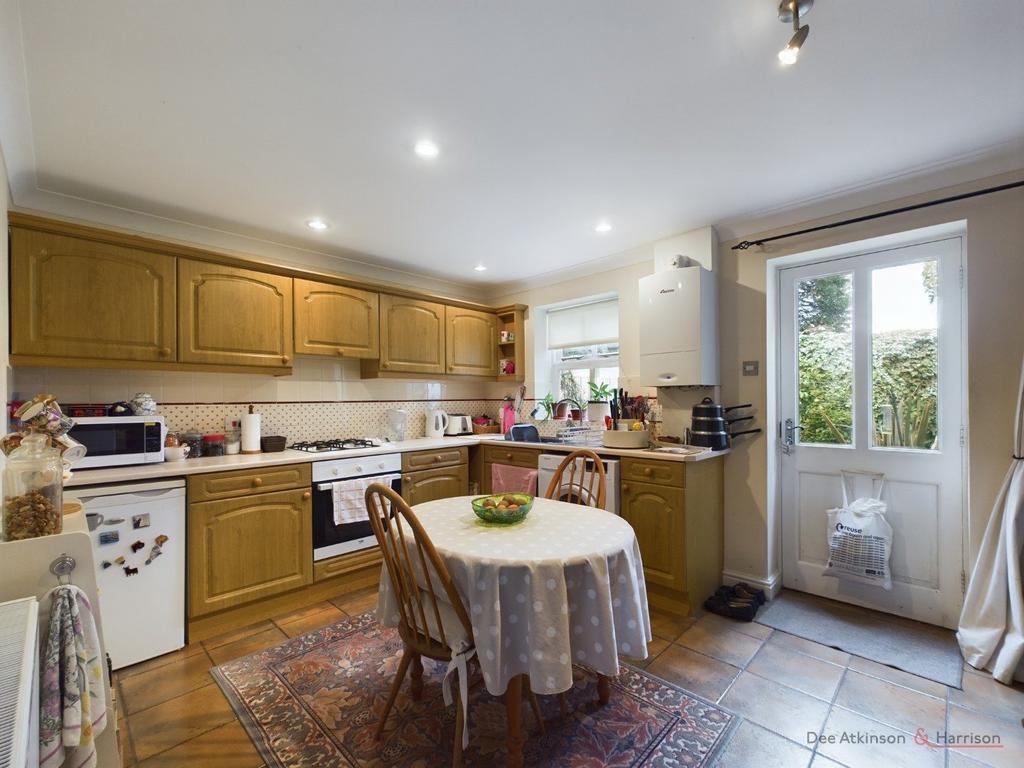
583, 342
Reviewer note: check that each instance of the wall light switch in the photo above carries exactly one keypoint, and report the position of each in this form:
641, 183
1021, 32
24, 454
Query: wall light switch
750, 367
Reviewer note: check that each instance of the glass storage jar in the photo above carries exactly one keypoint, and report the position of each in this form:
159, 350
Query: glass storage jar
194, 441
213, 445
33, 490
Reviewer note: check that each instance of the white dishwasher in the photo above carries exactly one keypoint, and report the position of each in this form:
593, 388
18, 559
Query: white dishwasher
547, 463
138, 537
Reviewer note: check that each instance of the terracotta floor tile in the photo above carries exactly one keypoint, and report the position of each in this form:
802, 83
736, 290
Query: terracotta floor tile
751, 745
309, 622
226, 747
751, 628
720, 643
810, 648
905, 754
782, 710
805, 673
985, 694
355, 603
693, 671
1011, 735
166, 682
169, 724
898, 676
160, 661
247, 645
891, 704
237, 634
668, 625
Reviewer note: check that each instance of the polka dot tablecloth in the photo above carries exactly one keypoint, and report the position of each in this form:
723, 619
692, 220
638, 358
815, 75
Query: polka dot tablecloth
564, 586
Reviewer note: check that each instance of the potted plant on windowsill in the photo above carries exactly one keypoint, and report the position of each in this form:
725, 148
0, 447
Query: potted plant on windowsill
572, 396
598, 406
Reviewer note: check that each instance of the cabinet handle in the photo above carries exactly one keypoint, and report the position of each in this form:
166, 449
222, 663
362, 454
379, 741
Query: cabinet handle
625, 486
508, 455
384, 364
647, 470
341, 352
285, 359
165, 352
406, 479
306, 496
439, 457
257, 481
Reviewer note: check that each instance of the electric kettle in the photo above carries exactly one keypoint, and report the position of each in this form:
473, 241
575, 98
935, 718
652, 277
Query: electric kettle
437, 423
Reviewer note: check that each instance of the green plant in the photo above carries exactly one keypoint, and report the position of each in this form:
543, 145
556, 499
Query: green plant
600, 393
548, 401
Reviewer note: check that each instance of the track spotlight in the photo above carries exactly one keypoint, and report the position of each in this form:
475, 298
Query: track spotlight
791, 11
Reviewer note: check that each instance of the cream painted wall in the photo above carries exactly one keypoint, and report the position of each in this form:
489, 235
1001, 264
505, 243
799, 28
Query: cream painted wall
5, 369
995, 285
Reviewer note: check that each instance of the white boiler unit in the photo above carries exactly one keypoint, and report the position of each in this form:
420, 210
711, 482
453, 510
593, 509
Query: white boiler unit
679, 328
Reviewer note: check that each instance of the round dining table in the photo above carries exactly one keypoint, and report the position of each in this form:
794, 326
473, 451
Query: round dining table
564, 586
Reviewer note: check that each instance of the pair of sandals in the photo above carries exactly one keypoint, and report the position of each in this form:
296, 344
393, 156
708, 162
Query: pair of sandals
740, 601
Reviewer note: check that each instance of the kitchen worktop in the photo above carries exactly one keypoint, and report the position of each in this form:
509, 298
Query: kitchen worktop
169, 469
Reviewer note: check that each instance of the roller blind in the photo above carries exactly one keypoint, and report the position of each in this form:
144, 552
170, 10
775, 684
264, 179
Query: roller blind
584, 325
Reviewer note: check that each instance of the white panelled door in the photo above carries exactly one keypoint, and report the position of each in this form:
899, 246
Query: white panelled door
871, 381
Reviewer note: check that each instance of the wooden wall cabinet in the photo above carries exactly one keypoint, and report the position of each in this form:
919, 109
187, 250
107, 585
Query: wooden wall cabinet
333, 320
75, 298
411, 335
247, 548
471, 342
233, 316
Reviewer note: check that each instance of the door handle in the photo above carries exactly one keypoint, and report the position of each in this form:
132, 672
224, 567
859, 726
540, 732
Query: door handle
789, 429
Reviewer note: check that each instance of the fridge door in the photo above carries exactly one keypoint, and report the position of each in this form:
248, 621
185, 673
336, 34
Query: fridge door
140, 574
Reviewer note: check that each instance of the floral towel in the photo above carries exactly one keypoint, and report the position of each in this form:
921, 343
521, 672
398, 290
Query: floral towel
72, 700
506, 478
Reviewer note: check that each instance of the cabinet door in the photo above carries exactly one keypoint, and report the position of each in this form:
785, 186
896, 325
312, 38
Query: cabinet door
656, 514
233, 316
433, 484
72, 297
411, 335
334, 320
248, 548
471, 342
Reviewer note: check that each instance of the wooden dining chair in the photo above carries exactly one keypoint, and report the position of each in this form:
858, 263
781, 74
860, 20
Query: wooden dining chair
430, 624
579, 479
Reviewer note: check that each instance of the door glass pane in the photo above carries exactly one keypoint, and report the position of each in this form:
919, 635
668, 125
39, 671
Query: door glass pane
904, 356
825, 359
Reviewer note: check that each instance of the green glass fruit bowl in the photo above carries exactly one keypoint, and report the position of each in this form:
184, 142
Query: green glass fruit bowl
503, 508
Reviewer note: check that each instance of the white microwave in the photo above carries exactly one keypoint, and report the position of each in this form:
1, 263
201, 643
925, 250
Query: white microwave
115, 441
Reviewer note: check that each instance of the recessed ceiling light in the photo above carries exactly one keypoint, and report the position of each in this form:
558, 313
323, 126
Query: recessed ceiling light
603, 227
479, 268
427, 149
317, 224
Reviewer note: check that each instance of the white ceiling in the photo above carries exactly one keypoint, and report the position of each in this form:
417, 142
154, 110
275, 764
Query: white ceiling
253, 116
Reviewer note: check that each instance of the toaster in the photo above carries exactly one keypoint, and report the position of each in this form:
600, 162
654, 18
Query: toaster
459, 424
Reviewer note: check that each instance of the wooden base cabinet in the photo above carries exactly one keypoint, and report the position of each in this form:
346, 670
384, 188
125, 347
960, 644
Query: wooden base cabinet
676, 512
247, 548
433, 475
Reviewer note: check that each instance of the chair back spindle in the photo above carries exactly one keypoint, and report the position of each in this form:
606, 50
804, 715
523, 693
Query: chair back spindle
579, 479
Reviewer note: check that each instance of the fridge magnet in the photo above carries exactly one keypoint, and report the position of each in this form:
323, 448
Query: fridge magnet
105, 564
129, 571
137, 546
110, 537
140, 521
119, 560
161, 540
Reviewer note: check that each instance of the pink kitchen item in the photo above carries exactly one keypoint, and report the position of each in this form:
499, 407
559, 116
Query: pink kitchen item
506, 478
508, 417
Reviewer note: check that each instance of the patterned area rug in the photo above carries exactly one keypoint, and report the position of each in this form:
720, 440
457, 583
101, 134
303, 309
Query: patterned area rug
315, 700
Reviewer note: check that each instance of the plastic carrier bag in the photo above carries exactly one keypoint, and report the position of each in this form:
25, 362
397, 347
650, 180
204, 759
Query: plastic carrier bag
860, 539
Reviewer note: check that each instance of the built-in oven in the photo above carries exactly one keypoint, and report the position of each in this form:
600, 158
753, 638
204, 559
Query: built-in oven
116, 441
352, 475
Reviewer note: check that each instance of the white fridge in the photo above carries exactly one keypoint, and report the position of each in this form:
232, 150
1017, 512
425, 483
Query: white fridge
138, 538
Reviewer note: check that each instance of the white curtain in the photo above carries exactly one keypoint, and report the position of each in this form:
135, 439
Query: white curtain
991, 631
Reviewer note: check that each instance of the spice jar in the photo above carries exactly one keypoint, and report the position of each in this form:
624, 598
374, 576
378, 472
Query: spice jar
213, 445
33, 488
194, 441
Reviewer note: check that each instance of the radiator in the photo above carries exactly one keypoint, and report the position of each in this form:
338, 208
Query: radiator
19, 690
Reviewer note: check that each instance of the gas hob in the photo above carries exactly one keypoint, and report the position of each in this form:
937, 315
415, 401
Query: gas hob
337, 444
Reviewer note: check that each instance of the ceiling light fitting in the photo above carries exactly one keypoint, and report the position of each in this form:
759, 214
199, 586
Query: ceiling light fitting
479, 268
317, 224
603, 227
792, 11
427, 149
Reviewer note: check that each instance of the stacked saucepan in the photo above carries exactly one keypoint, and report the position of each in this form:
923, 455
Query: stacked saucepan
710, 425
